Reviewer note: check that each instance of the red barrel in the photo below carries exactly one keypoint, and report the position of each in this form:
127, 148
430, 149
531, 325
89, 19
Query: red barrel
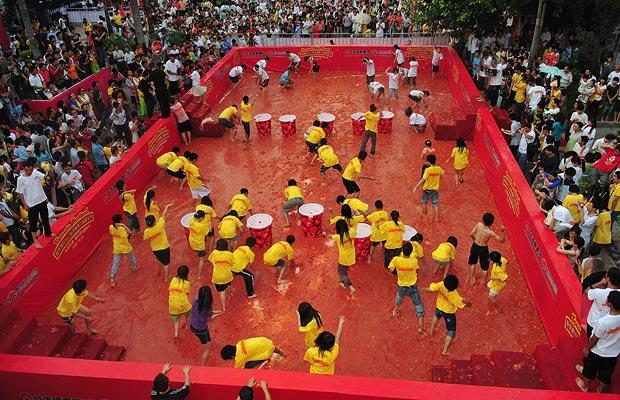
263, 124
287, 124
260, 229
329, 118
358, 123
385, 123
311, 216
362, 241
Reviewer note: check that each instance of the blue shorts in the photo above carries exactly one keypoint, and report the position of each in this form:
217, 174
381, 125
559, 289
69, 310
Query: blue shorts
432, 195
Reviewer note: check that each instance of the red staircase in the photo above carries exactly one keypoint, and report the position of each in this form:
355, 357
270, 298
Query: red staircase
501, 117
26, 335
460, 123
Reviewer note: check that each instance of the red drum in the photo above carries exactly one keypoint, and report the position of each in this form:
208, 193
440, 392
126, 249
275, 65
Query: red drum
358, 123
263, 124
408, 233
385, 123
311, 219
329, 118
287, 124
362, 241
260, 229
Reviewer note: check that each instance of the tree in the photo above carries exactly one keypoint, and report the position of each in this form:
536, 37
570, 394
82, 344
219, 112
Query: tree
25, 18
540, 18
137, 22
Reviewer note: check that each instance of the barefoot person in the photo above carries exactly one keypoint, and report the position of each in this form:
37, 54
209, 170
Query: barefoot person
223, 262
70, 305
377, 235
322, 356
155, 234
481, 234
329, 158
352, 172
178, 302
199, 228
449, 301
430, 186
121, 246
161, 385
461, 161
370, 129
228, 117
202, 310
406, 268
244, 256
250, 353
346, 252
281, 255
294, 198
309, 322
498, 278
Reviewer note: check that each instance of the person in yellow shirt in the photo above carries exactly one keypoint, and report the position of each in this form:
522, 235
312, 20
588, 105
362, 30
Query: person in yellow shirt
178, 300
406, 267
448, 302
244, 256
70, 306
129, 206
229, 117
251, 353
281, 256
322, 356
346, 252
614, 196
195, 182
370, 129
294, 198
394, 229
519, 86
444, 255
574, 201
377, 235
246, 117
461, 160
328, 157
206, 205
309, 323
230, 228
155, 234
430, 185
177, 166
313, 140
357, 206
150, 206
223, 262
9, 251
352, 172
198, 230
347, 214
418, 250
166, 159
241, 204
498, 278
120, 241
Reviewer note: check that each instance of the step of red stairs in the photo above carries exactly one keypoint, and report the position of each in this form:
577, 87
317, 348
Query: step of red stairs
93, 349
461, 372
112, 353
45, 340
15, 333
553, 376
440, 374
73, 346
514, 369
482, 370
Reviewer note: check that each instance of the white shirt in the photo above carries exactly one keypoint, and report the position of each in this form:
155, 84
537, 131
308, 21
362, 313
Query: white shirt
235, 71
436, 58
416, 93
370, 68
129, 57
562, 216
263, 74
35, 81
587, 226
74, 178
413, 69
497, 79
195, 77
262, 64
598, 309
400, 58
30, 187
114, 159
392, 80
535, 93
118, 118
607, 330
374, 87
417, 119
294, 58
525, 141
612, 75
175, 68
179, 112
583, 118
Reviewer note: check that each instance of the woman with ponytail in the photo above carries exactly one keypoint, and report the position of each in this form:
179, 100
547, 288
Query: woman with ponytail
202, 310
394, 229
346, 252
150, 206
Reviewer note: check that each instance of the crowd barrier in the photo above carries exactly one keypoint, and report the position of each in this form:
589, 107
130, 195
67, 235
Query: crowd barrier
101, 77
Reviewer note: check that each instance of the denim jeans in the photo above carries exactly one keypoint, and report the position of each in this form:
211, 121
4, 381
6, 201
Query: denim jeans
414, 294
116, 260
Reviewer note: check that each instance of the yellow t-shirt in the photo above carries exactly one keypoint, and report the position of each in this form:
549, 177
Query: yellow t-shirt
177, 164
431, 177
166, 159
312, 331
571, 202
198, 230
10, 252
70, 303
244, 256
356, 205
178, 303
352, 223
209, 213
246, 112
222, 262
418, 250
444, 252
394, 234
521, 87
322, 363
293, 192
406, 269
377, 219
461, 160
253, 349
327, 155
228, 227
614, 191
346, 250
316, 134
448, 302
372, 121
156, 235
277, 251
154, 210
192, 176
129, 203
602, 229
120, 240
228, 112
498, 277
353, 169
107, 151
241, 204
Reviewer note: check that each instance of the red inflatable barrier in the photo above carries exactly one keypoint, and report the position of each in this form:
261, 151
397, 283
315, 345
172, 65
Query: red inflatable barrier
260, 229
311, 219
287, 125
362, 241
358, 123
329, 118
385, 123
263, 124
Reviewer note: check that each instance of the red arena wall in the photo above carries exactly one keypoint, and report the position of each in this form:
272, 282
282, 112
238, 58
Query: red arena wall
44, 273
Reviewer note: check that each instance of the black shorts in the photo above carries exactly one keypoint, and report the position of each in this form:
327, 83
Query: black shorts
173, 87
67, 319
210, 234
369, 79
234, 79
479, 253
202, 335
316, 68
226, 123
132, 221
185, 126
337, 167
351, 186
312, 147
221, 288
450, 321
435, 68
163, 256
264, 83
416, 99
201, 253
595, 366
375, 244
246, 128
280, 264
177, 174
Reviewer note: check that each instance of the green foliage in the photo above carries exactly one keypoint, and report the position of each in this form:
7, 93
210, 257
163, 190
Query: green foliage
177, 37
117, 41
460, 15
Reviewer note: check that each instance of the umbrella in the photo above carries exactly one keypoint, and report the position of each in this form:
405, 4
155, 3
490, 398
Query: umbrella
551, 71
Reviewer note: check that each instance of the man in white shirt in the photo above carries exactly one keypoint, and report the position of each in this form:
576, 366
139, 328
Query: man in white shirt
559, 219
263, 77
614, 74
197, 89
376, 89
173, 69
535, 94
566, 78
34, 200
235, 73
437, 57
603, 348
120, 123
71, 181
370, 70
527, 137
495, 81
399, 56
417, 121
598, 297
295, 60
36, 82
263, 63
